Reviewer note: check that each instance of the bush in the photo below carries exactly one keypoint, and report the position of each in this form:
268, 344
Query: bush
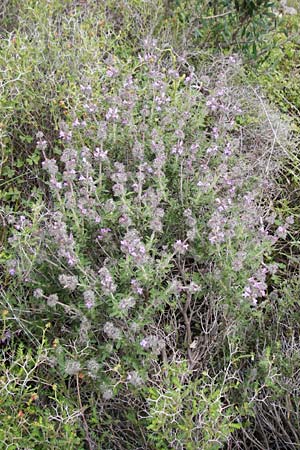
150, 236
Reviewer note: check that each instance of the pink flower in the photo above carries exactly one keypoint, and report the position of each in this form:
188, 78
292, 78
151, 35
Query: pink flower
180, 247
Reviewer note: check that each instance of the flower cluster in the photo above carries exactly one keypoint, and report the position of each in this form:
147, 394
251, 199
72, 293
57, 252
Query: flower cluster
153, 343
257, 286
112, 331
127, 303
107, 282
132, 246
68, 281
89, 298
57, 229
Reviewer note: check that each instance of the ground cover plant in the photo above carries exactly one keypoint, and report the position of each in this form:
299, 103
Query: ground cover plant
149, 268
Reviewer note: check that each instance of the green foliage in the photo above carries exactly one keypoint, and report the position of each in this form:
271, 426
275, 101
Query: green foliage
278, 73
33, 408
231, 25
202, 401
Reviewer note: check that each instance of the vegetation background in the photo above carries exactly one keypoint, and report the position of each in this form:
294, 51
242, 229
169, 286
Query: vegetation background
149, 237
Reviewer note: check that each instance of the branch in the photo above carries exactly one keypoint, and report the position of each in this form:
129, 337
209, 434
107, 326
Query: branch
219, 15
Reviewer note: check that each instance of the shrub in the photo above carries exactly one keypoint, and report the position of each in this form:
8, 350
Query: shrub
151, 247
149, 285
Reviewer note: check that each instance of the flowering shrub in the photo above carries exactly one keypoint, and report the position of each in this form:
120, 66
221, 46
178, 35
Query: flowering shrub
153, 218
149, 249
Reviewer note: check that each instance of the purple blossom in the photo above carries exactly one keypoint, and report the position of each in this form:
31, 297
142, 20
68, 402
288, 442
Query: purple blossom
127, 303
212, 103
178, 149
52, 300
12, 264
6, 337
89, 299
217, 225
107, 282
238, 261
212, 150
112, 114
257, 286
132, 246
100, 154
56, 185
161, 100
180, 247
69, 282
120, 177
156, 225
42, 144
90, 108
173, 73
76, 123
65, 135
118, 189
38, 293
136, 287
103, 233
153, 343
281, 232
144, 343
86, 89
228, 149
215, 133
112, 72
179, 134
50, 165
125, 220
191, 222
189, 79
204, 184
223, 204
112, 331
249, 199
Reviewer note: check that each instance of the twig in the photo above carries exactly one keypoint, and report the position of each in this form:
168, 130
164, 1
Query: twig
219, 15
86, 427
